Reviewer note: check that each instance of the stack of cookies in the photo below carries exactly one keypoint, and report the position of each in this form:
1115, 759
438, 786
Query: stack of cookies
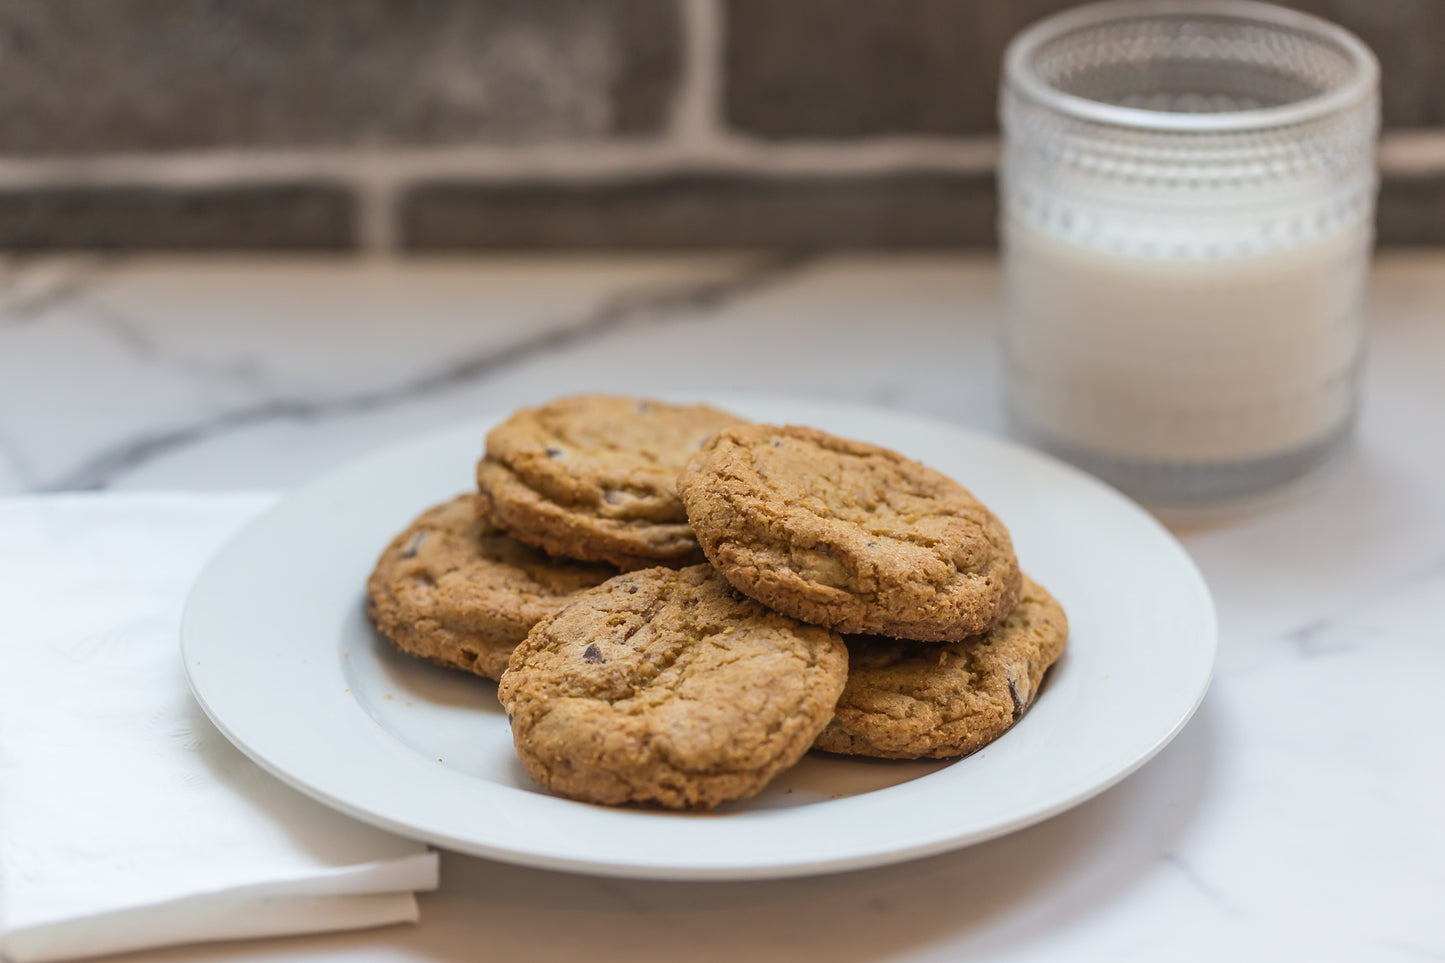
679, 604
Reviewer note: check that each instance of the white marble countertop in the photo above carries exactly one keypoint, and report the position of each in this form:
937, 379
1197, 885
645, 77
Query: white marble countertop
1297, 817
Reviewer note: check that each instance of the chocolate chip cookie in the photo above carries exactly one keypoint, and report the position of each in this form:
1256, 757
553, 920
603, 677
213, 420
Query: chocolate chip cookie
849, 535
595, 477
668, 687
455, 590
908, 701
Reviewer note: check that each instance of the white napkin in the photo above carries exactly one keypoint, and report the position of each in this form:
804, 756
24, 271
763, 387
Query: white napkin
126, 819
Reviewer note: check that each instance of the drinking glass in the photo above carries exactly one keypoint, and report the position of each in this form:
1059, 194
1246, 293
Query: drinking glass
1187, 196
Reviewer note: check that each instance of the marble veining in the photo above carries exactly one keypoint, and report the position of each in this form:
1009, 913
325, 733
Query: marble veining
662, 304
1297, 816
1205, 889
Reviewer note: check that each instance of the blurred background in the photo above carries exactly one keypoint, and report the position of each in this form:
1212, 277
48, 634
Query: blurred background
403, 126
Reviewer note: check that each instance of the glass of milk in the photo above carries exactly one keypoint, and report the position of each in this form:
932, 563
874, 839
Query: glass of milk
1187, 214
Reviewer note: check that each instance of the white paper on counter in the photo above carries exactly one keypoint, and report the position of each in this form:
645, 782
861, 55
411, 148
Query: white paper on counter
126, 819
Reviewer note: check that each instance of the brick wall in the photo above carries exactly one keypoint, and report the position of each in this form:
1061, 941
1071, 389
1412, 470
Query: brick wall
432, 125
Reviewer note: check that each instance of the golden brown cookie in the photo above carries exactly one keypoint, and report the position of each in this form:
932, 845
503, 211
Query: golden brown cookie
595, 477
907, 701
667, 686
849, 535
455, 590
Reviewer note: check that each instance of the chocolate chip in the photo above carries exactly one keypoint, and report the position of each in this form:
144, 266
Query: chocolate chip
592, 654
413, 546
1013, 691
555, 453
632, 590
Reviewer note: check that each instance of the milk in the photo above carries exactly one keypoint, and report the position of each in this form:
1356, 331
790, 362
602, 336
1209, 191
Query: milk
1178, 360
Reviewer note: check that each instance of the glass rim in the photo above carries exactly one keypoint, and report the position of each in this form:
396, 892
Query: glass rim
1358, 88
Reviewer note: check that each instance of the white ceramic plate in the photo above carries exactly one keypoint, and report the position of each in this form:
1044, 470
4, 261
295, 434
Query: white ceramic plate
282, 658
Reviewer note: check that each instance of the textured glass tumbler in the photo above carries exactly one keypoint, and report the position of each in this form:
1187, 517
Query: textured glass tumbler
1187, 215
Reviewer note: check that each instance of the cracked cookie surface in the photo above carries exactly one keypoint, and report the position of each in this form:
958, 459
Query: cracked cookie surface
909, 701
668, 687
595, 477
849, 535
455, 590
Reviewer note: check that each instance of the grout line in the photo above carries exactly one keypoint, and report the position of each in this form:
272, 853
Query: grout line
602, 160
697, 109
377, 213
1404, 153
1412, 153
